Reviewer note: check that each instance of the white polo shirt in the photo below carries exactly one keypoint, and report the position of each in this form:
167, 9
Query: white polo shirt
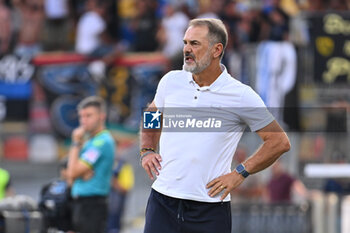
192, 158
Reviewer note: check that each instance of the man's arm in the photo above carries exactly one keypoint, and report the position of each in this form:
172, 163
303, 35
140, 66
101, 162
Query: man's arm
275, 143
150, 139
76, 168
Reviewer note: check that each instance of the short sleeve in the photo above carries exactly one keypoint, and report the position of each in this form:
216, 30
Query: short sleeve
253, 111
91, 156
161, 90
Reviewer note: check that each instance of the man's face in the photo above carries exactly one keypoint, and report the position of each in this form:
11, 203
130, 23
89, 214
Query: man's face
197, 49
90, 118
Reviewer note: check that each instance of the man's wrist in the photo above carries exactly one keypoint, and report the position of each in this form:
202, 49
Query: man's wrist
76, 144
240, 169
145, 149
146, 153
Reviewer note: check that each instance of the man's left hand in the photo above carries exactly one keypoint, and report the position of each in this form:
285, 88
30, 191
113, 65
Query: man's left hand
226, 182
88, 175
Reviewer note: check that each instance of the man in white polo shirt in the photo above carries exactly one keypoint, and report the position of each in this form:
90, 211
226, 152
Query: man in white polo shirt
193, 166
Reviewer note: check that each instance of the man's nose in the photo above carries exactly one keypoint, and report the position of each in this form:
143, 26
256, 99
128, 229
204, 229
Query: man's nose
82, 120
187, 48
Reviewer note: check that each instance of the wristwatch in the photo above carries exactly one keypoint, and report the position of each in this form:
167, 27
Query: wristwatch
240, 169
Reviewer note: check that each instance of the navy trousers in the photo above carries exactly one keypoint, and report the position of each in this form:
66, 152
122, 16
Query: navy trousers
172, 215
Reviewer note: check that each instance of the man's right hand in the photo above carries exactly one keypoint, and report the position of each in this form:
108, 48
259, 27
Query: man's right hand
151, 163
78, 135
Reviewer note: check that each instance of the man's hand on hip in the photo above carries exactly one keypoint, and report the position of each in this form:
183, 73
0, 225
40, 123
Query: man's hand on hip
224, 183
151, 163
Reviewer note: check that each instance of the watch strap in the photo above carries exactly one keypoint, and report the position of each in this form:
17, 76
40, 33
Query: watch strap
241, 170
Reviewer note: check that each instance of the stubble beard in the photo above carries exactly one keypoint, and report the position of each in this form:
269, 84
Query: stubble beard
199, 66
94, 128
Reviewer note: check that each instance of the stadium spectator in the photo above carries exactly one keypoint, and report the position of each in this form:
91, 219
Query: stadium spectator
145, 27
170, 34
277, 22
230, 15
31, 14
91, 27
282, 186
58, 27
5, 28
209, 9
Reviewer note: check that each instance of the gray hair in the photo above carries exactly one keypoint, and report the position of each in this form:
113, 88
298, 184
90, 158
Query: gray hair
93, 101
217, 32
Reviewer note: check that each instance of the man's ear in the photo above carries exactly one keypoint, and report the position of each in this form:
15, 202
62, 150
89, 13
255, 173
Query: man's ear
218, 49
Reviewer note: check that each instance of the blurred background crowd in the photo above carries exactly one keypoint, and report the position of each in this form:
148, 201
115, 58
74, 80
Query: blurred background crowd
29, 27
294, 53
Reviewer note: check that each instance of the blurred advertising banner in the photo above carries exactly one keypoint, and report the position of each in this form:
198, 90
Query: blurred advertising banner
16, 75
128, 85
330, 40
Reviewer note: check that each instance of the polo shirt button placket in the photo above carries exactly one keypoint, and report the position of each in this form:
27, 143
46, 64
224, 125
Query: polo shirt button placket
196, 95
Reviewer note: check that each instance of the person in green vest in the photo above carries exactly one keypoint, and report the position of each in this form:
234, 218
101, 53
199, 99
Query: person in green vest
5, 184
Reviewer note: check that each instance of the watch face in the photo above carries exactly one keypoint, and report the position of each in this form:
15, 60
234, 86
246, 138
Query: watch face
240, 168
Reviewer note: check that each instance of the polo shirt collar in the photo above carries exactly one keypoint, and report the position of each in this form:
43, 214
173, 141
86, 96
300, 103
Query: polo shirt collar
220, 81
